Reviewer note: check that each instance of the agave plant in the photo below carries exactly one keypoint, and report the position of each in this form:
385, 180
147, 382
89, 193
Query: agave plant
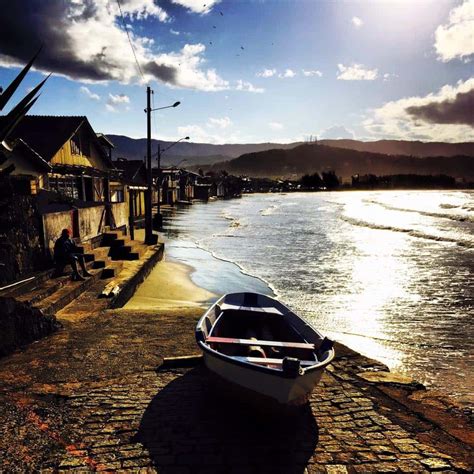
11, 120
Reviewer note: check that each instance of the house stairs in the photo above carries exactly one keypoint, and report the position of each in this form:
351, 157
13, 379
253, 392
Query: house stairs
104, 257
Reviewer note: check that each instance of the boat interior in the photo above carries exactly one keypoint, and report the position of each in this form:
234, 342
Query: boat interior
259, 335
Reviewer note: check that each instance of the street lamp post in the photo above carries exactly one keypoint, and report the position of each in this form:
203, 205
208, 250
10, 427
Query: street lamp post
150, 238
158, 217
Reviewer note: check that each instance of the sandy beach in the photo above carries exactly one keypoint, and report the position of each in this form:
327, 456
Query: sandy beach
169, 286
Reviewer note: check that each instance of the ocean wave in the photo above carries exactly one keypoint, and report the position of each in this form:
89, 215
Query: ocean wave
423, 213
411, 232
269, 210
340, 204
242, 269
234, 221
232, 236
228, 217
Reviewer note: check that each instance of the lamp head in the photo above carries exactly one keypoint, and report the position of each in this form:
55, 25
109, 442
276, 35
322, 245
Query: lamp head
176, 104
186, 138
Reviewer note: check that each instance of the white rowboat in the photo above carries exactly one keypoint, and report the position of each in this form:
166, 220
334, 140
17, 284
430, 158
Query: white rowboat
256, 342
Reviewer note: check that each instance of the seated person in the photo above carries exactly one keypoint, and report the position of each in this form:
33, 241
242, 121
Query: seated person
66, 252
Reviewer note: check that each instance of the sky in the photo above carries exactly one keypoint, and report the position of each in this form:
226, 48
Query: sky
250, 71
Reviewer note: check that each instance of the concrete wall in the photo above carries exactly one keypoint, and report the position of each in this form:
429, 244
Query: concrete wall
89, 221
53, 224
120, 212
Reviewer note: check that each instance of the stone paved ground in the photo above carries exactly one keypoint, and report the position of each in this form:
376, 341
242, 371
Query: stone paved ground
91, 398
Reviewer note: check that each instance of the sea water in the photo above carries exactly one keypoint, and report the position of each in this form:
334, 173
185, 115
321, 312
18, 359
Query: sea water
388, 273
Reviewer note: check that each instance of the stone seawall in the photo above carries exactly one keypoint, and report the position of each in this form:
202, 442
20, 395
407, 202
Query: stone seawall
21, 324
21, 245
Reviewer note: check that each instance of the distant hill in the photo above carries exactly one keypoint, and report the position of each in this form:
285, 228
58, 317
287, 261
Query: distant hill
194, 153
402, 147
205, 153
309, 158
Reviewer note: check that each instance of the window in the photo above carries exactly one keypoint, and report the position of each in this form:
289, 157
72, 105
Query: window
66, 185
75, 146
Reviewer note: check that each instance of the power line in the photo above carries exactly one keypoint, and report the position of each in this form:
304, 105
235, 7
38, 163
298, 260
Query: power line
153, 118
130, 40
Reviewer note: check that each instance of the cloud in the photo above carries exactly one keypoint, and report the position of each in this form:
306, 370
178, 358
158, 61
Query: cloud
309, 73
440, 116
459, 110
266, 73
199, 134
336, 132
118, 99
197, 6
248, 87
276, 125
356, 21
456, 38
174, 32
87, 92
84, 41
356, 72
114, 101
289, 73
222, 123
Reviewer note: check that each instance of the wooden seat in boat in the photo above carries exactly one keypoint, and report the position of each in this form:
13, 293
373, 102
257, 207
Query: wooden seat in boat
269, 361
256, 342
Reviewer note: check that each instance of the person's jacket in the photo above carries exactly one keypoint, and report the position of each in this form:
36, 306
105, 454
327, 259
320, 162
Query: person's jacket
63, 248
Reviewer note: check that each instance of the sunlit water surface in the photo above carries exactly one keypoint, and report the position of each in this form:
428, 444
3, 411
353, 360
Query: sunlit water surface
388, 273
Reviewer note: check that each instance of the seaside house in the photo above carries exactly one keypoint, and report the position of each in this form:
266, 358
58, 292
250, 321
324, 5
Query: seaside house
130, 185
193, 187
169, 186
225, 186
68, 167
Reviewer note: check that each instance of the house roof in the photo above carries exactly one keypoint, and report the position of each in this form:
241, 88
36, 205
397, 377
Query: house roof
105, 139
46, 134
132, 171
21, 147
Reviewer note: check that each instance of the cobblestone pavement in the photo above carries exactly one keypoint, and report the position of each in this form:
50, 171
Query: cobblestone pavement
134, 418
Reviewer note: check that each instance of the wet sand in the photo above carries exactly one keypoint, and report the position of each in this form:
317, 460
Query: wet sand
169, 286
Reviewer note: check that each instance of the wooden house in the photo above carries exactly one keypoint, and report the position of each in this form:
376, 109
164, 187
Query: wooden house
69, 167
132, 184
80, 160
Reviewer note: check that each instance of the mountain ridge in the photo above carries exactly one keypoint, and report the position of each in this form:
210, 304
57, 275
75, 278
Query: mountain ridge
207, 153
311, 158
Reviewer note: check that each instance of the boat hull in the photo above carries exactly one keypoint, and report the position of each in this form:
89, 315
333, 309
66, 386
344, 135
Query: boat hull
267, 377
283, 389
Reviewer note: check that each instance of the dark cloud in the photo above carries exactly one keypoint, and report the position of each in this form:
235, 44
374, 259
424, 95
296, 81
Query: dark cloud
25, 25
165, 73
457, 111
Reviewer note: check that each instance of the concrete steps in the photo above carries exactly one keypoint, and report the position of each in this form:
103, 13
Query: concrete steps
121, 247
41, 292
104, 256
67, 293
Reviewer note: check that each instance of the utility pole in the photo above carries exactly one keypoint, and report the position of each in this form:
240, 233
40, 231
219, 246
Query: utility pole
158, 213
158, 218
150, 238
